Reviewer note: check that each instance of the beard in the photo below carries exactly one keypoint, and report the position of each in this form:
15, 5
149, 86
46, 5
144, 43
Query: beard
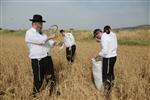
39, 30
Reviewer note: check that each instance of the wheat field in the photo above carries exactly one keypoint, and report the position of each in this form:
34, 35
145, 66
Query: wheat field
75, 82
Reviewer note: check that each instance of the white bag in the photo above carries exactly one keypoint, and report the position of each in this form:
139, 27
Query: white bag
97, 73
51, 43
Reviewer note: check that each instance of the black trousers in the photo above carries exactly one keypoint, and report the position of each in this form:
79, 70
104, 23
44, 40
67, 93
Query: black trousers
108, 70
42, 68
70, 53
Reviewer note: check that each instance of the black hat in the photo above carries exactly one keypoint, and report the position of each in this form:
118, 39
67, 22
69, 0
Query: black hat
37, 18
95, 31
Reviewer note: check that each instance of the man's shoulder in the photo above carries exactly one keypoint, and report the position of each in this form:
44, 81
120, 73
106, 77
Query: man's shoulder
68, 34
113, 33
29, 30
105, 36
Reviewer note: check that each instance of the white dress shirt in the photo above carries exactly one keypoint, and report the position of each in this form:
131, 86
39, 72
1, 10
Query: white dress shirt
38, 45
109, 45
69, 40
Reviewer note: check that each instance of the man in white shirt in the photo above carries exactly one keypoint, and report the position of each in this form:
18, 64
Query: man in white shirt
69, 43
108, 53
39, 52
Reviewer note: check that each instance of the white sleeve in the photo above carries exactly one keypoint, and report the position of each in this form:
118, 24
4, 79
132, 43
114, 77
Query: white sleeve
33, 38
116, 41
104, 50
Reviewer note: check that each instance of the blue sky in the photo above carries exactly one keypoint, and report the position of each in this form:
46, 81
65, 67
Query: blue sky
79, 14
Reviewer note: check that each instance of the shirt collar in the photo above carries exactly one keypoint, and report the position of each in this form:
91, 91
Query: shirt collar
34, 29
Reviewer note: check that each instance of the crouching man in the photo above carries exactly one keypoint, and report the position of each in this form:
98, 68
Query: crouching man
108, 53
39, 53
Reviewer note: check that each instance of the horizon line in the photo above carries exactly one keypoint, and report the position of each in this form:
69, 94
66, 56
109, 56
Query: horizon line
78, 28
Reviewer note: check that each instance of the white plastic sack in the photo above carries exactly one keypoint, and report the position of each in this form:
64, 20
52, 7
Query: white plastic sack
97, 73
51, 43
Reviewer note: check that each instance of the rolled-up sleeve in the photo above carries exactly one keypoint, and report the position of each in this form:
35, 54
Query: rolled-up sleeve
34, 38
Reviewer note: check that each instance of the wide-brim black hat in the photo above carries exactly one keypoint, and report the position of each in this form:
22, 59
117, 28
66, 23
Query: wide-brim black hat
37, 18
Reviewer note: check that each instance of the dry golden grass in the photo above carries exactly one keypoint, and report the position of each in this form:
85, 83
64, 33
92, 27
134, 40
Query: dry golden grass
132, 70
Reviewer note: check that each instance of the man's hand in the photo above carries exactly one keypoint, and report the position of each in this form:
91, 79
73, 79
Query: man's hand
51, 36
98, 58
55, 43
60, 43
